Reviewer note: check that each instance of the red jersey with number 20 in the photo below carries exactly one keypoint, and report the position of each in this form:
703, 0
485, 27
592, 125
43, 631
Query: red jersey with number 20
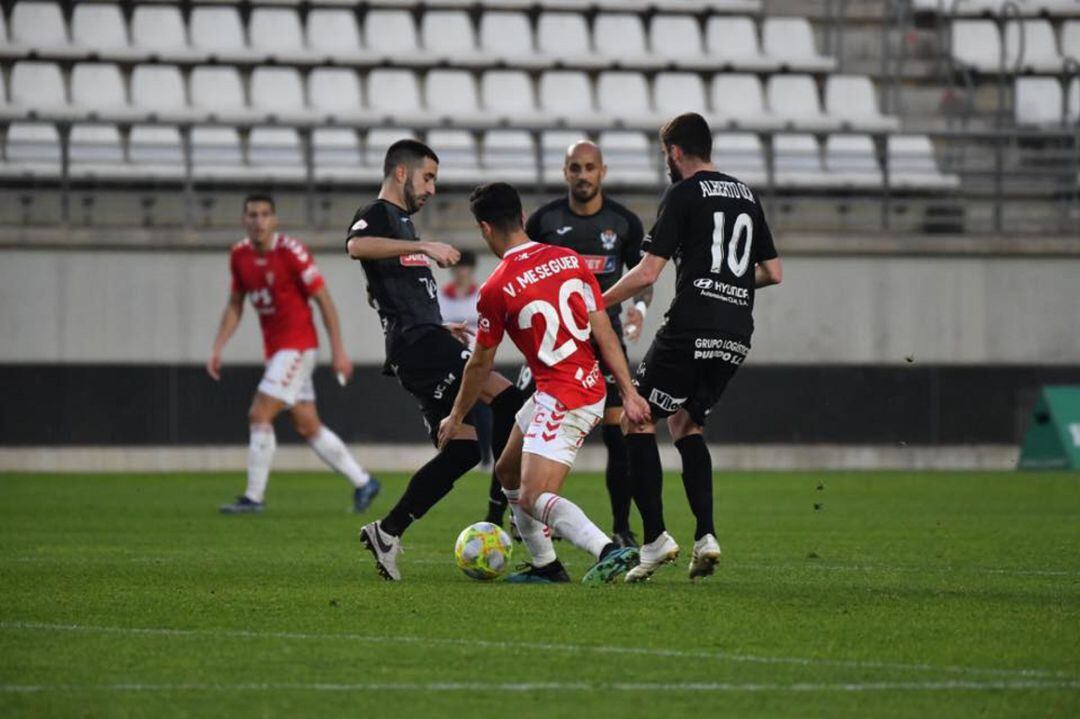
279, 281
542, 296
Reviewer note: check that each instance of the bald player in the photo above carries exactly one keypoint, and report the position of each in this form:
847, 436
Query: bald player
608, 236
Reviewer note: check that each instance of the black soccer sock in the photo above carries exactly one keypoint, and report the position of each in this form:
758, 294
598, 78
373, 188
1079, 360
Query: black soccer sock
697, 481
616, 477
431, 483
504, 407
647, 482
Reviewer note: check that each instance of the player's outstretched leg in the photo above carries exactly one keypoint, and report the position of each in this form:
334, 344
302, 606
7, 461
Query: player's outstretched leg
647, 480
431, 483
504, 407
617, 479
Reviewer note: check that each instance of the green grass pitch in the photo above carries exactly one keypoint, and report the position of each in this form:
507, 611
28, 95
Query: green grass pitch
840, 594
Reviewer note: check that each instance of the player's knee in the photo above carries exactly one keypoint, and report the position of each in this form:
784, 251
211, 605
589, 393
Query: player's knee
680, 425
307, 429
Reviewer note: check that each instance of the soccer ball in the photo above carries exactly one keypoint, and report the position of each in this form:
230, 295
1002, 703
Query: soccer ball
483, 551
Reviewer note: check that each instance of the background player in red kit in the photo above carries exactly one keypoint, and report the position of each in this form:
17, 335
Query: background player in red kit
549, 302
280, 276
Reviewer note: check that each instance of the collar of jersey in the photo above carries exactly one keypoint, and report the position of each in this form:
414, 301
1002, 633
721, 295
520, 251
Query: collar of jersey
517, 248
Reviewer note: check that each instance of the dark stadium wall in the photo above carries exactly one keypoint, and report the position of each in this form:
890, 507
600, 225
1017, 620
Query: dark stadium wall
122, 405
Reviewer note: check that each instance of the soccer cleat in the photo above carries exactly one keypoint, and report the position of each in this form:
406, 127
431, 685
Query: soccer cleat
660, 551
385, 548
363, 496
612, 563
551, 573
705, 557
242, 505
625, 539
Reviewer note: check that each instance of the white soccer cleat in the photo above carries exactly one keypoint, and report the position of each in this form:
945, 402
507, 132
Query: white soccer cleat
705, 557
662, 550
385, 548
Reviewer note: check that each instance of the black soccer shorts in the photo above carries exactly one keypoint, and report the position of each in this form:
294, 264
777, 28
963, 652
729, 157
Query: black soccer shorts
688, 370
430, 368
614, 399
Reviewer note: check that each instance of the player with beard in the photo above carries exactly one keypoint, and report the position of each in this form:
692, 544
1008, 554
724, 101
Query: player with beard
427, 356
608, 236
714, 227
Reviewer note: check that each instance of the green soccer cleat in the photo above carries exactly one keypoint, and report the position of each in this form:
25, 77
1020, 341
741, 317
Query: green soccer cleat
551, 573
613, 562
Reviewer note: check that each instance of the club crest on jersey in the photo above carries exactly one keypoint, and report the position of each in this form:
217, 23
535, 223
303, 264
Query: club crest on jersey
416, 259
608, 238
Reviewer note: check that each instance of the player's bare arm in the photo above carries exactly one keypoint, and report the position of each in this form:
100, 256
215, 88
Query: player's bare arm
475, 375
384, 248
635, 408
768, 273
230, 320
637, 280
339, 359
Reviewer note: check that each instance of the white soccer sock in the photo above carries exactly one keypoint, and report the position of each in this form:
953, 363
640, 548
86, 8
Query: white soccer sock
532, 533
333, 451
570, 522
260, 455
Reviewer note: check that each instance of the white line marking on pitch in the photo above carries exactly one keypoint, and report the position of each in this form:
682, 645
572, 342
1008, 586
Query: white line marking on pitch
535, 646
720, 687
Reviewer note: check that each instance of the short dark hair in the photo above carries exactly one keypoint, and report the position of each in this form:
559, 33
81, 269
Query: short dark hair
498, 204
407, 152
690, 132
259, 197
468, 259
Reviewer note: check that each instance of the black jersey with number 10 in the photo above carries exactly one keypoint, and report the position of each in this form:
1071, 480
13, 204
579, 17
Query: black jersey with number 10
714, 228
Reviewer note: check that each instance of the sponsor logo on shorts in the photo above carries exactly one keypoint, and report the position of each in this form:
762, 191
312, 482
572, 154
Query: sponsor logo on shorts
665, 401
442, 387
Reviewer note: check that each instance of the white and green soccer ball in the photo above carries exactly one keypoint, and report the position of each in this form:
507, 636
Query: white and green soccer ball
483, 551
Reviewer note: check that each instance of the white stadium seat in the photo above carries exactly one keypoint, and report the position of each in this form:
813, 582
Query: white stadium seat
677, 38
738, 100
98, 90
629, 158
158, 92
449, 35
9, 49
459, 162
392, 34
276, 152
794, 100
912, 164
1039, 101
156, 150
1072, 101
508, 37
733, 41
977, 44
508, 97
159, 32
791, 41
217, 31
451, 96
1070, 39
625, 97
334, 94
553, 147
797, 161
216, 154
275, 32
509, 155
564, 36
40, 25
851, 99
1040, 52
740, 154
395, 95
677, 92
278, 93
217, 92
32, 150
100, 28
337, 157
333, 34
96, 151
566, 95
852, 160
620, 39
38, 87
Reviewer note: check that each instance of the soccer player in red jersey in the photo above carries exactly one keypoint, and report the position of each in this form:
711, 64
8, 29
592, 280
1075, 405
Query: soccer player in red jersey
279, 275
548, 301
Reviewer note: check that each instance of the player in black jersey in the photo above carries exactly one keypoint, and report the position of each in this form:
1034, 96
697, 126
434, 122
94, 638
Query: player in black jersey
608, 236
714, 228
425, 355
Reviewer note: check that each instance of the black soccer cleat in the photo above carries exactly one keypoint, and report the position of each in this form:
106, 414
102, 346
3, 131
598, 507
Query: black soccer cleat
551, 573
242, 505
